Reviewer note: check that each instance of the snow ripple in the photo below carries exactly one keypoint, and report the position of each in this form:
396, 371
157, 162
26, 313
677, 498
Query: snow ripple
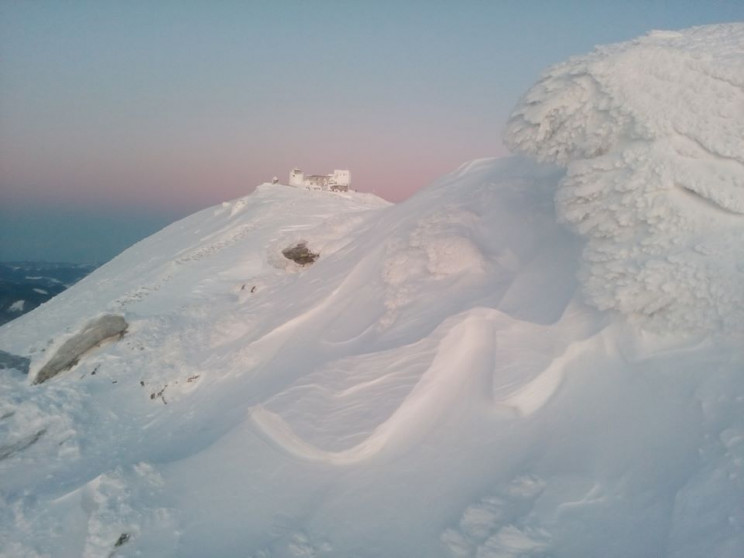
469, 353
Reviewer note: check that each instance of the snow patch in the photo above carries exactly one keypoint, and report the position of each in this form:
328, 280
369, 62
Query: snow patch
118, 520
17, 306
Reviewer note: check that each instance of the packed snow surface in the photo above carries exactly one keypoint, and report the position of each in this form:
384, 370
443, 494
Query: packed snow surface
433, 384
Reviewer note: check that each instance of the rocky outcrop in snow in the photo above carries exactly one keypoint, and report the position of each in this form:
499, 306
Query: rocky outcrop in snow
101, 329
652, 135
300, 254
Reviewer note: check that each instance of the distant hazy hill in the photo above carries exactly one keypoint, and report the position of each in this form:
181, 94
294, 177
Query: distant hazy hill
26, 285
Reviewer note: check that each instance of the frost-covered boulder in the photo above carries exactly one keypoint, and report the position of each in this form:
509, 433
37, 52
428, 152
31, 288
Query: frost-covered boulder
103, 328
651, 133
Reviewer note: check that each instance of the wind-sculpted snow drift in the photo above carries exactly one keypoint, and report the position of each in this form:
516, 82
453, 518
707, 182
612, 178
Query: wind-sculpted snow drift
652, 134
433, 384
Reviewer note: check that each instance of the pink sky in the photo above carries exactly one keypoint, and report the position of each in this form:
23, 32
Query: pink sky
170, 107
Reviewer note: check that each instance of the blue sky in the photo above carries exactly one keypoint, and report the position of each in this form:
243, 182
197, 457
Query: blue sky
117, 117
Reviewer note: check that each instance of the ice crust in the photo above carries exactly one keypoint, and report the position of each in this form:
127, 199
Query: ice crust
651, 133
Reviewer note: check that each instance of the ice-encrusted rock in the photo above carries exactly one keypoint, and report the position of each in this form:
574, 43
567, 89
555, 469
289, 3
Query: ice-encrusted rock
97, 331
651, 132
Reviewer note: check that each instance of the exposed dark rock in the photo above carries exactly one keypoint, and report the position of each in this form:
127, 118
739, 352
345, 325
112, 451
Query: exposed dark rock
109, 326
123, 539
300, 254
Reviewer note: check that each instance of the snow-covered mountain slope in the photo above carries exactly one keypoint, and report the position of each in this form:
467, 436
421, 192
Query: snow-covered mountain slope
433, 385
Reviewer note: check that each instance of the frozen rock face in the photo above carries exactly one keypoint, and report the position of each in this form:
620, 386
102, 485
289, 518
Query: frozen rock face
103, 328
651, 133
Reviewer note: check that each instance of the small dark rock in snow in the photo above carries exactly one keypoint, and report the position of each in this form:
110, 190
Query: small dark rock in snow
300, 254
123, 538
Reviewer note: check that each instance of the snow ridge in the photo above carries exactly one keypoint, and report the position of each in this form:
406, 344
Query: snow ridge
651, 133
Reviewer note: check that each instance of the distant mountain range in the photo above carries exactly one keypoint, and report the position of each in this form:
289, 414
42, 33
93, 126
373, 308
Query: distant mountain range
26, 285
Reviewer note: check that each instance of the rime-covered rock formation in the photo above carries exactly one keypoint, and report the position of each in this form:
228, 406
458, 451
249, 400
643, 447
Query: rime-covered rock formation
97, 331
651, 133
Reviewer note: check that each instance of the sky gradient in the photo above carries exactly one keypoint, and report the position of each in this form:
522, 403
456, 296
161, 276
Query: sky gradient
117, 117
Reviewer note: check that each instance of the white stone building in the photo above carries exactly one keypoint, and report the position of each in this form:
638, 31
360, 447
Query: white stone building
338, 181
